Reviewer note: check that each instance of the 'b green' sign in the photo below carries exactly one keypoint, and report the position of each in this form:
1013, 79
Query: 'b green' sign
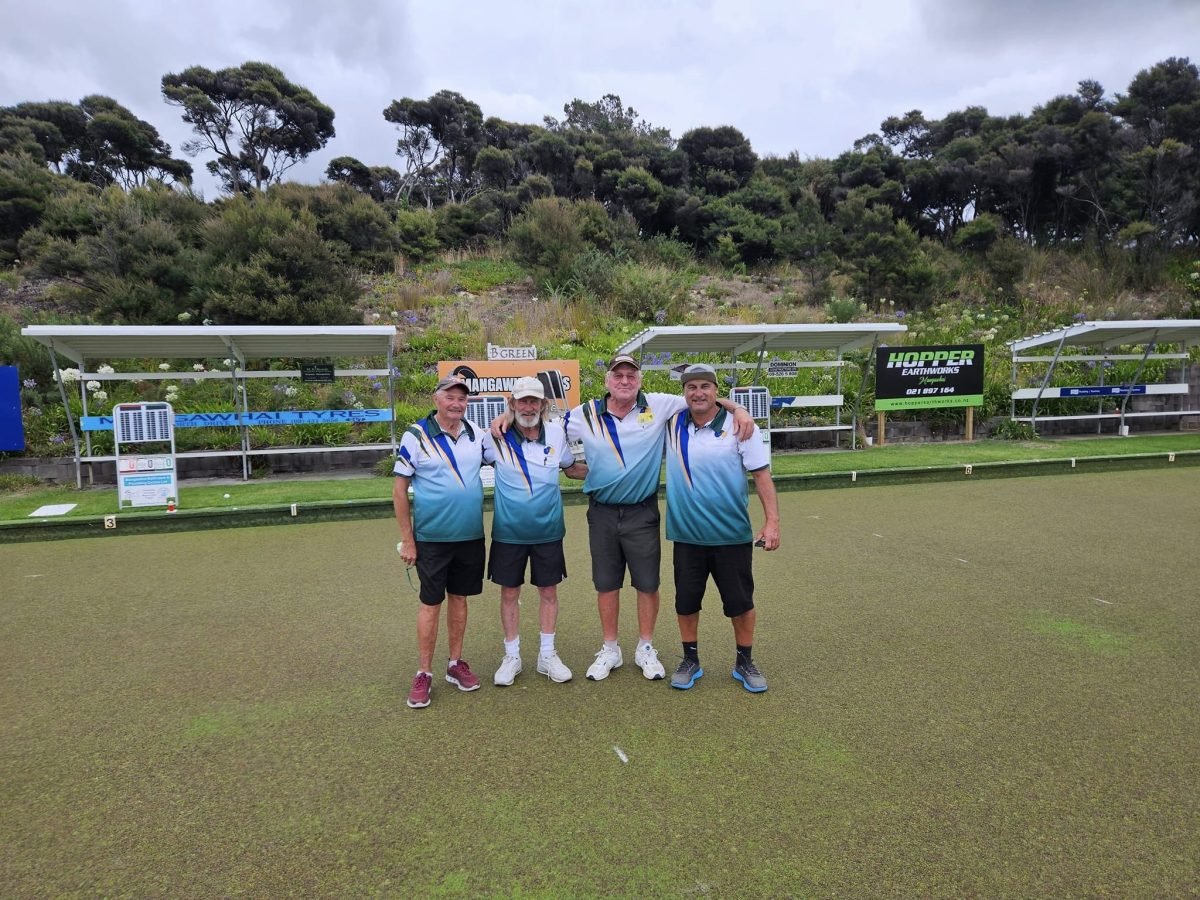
926, 377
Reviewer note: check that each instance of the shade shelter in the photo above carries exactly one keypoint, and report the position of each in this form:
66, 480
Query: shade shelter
87, 345
1098, 345
763, 342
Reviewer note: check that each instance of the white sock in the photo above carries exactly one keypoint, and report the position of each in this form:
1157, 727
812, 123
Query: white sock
611, 645
513, 647
547, 643
451, 663
644, 644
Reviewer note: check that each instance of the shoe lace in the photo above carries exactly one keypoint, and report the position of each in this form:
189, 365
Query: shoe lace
422, 681
749, 667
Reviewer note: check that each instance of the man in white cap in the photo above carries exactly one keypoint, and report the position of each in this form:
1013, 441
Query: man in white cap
623, 436
708, 521
441, 531
528, 527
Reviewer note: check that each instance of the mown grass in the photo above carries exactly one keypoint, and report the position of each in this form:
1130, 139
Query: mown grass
102, 500
977, 689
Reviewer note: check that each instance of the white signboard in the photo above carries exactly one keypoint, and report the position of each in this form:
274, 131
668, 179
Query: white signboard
494, 352
778, 368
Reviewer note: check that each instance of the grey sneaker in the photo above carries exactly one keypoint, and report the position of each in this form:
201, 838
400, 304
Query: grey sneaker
752, 679
687, 673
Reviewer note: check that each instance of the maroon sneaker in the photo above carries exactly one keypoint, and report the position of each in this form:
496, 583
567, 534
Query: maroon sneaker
461, 676
418, 697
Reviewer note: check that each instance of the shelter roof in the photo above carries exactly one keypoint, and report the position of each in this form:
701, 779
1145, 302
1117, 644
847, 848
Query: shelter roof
738, 339
242, 342
1116, 334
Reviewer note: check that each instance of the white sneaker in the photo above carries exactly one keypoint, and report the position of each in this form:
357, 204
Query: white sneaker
510, 668
606, 661
553, 668
647, 658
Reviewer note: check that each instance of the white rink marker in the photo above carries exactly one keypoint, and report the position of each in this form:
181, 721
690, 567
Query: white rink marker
1106, 602
963, 561
620, 754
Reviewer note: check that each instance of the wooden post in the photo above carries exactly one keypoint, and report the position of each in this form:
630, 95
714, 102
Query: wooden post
879, 422
970, 423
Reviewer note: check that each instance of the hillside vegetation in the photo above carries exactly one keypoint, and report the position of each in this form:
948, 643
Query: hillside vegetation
573, 233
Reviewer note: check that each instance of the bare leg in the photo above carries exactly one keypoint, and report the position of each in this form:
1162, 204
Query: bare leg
510, 612
689, 628
743, 628
647, 614
609, 603
427, 629
456, 623
548, 608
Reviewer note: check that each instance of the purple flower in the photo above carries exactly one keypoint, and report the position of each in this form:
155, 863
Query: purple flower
58, 439
666, 356
900, 314
279, 388
410, 317
376, 385
600, 364
29, 383
660, 317
729, 380
1080, 317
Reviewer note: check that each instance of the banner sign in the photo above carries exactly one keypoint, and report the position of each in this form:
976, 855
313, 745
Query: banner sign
12, 429
560, 377
925, 377
1107, 390
235, 419
778, 368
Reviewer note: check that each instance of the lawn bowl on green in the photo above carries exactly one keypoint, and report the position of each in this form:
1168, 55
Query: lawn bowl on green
977, 688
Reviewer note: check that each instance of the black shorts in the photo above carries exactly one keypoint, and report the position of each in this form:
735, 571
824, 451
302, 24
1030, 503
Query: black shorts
547, 563
731, 568
449, 567
624, 535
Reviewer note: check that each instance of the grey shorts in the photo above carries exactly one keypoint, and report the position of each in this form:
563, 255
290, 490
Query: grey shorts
624, 536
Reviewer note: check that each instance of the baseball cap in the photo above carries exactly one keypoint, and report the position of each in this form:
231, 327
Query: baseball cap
528, 387
623, 360
451, 381
698, 372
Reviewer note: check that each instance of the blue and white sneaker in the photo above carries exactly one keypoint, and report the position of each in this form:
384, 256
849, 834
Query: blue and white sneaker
686, 675
752, 679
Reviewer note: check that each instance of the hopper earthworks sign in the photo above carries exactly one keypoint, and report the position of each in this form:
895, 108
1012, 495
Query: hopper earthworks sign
926, 377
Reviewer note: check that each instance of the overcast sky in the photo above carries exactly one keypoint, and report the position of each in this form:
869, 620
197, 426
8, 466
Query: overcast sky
800, 76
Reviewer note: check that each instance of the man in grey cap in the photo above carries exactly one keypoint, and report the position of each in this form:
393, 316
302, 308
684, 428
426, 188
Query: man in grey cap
623, 435
709, 522
441, 531
528, 527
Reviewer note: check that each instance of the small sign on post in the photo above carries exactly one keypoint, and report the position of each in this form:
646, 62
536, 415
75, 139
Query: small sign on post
781, 368
495, 352
316, 373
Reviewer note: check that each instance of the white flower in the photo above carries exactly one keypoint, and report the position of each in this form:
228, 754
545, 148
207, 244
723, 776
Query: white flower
290, 391
93, 385
164, 367
67, 376
100, 395
184, 317
198, 367
228, 363
105, 370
